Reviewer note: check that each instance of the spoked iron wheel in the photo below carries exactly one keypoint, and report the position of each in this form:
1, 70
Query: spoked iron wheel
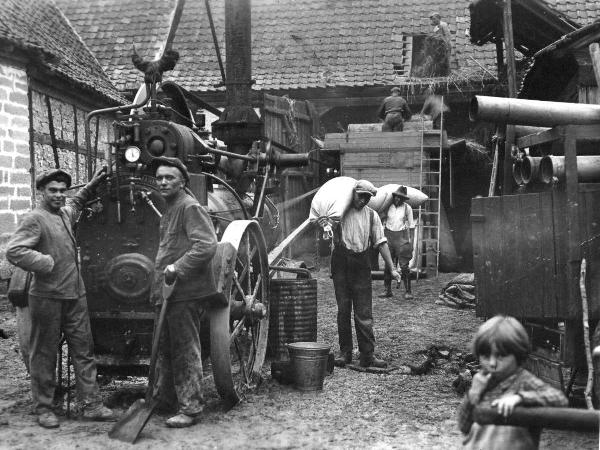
239, 330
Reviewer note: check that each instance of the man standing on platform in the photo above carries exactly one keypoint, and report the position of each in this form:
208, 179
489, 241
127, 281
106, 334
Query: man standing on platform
394, 111
359, 229
399, 227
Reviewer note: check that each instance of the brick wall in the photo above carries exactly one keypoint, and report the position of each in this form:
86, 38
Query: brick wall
17, 169
15, 180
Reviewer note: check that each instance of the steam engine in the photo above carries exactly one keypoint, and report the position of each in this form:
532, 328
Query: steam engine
118, 232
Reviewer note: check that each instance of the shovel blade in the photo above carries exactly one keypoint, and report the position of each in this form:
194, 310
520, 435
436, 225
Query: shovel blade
129, 427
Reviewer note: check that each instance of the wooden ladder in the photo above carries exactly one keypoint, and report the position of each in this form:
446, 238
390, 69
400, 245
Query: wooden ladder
430, 182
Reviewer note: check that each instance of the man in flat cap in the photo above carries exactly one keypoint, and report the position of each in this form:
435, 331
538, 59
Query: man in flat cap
187, 245
44, 244
399, 227
359, 229
394, 111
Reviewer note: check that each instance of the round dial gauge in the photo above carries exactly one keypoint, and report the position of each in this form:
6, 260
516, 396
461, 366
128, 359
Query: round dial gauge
132, 154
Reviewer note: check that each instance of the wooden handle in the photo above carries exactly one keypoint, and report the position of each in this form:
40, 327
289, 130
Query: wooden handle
155, 342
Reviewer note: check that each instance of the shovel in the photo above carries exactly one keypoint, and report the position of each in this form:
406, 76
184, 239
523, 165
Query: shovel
129, 427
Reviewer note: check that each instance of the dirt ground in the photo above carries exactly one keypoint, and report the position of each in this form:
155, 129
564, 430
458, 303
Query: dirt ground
354, 410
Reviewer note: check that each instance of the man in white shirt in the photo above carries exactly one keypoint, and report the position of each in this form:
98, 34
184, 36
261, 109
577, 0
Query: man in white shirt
399, 227
359, 229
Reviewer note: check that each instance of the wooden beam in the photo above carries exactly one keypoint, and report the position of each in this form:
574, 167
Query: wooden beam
550, 135
595, 56
573, 239
509, 45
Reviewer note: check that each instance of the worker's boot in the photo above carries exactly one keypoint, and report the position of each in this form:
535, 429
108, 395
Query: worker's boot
181, 421
98, 413
48, 419
388, 289
342, 359
372, 361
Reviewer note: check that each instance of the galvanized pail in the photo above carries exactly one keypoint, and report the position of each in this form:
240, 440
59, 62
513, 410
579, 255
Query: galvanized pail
309, 364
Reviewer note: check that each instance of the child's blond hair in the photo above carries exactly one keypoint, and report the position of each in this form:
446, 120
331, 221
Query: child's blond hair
506, 334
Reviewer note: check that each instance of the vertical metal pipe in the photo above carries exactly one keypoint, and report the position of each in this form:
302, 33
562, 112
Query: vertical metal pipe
238, 44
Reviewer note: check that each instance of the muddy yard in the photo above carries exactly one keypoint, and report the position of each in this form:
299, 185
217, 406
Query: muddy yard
354, 410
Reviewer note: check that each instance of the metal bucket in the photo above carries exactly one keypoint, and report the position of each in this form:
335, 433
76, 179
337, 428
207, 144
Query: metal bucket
309, 364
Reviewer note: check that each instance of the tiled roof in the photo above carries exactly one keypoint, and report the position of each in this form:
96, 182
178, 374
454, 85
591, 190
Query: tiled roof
536, 23
39, 28
296, 43
583, 12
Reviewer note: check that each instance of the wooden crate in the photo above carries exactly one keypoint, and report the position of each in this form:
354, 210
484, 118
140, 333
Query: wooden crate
383, 157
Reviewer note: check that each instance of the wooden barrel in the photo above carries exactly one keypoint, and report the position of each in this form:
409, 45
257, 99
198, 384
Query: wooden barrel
293, 314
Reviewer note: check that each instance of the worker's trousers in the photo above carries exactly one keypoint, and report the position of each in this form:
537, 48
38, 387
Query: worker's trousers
401, 253
351, 274
179, 367
48, 318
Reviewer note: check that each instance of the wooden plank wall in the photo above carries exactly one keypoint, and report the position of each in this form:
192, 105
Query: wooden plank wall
292, 123
382, 158
520, 257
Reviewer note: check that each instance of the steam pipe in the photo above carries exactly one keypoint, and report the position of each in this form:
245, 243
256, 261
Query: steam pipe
530, 169
588, 168
532, 112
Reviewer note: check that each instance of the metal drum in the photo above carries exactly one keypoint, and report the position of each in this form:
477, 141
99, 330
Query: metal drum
293, 312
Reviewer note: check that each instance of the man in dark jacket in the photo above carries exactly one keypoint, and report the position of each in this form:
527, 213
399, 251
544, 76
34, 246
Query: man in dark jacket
187, 245
44, 244
394, 111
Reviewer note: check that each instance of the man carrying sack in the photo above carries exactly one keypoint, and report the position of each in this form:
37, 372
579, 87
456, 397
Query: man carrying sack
187, 245
399, 227
360, 228
44, 245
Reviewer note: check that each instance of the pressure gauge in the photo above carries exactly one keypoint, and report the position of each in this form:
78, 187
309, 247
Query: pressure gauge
132, 154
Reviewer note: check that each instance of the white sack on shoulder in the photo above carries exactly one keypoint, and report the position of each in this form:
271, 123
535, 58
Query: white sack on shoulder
383, 199
332, 199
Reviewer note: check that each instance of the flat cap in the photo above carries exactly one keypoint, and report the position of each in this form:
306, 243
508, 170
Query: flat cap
365, 187
52, 175
401, 192
435, 14
172, 162
396, 89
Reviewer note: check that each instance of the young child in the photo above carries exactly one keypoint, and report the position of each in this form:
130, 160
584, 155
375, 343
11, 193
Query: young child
502, 344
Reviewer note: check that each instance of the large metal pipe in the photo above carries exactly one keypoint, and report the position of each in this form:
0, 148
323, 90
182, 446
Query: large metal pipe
532, 112
553, 167
530, 169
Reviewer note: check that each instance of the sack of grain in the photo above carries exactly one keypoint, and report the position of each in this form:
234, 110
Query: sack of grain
332, 199
383, 199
